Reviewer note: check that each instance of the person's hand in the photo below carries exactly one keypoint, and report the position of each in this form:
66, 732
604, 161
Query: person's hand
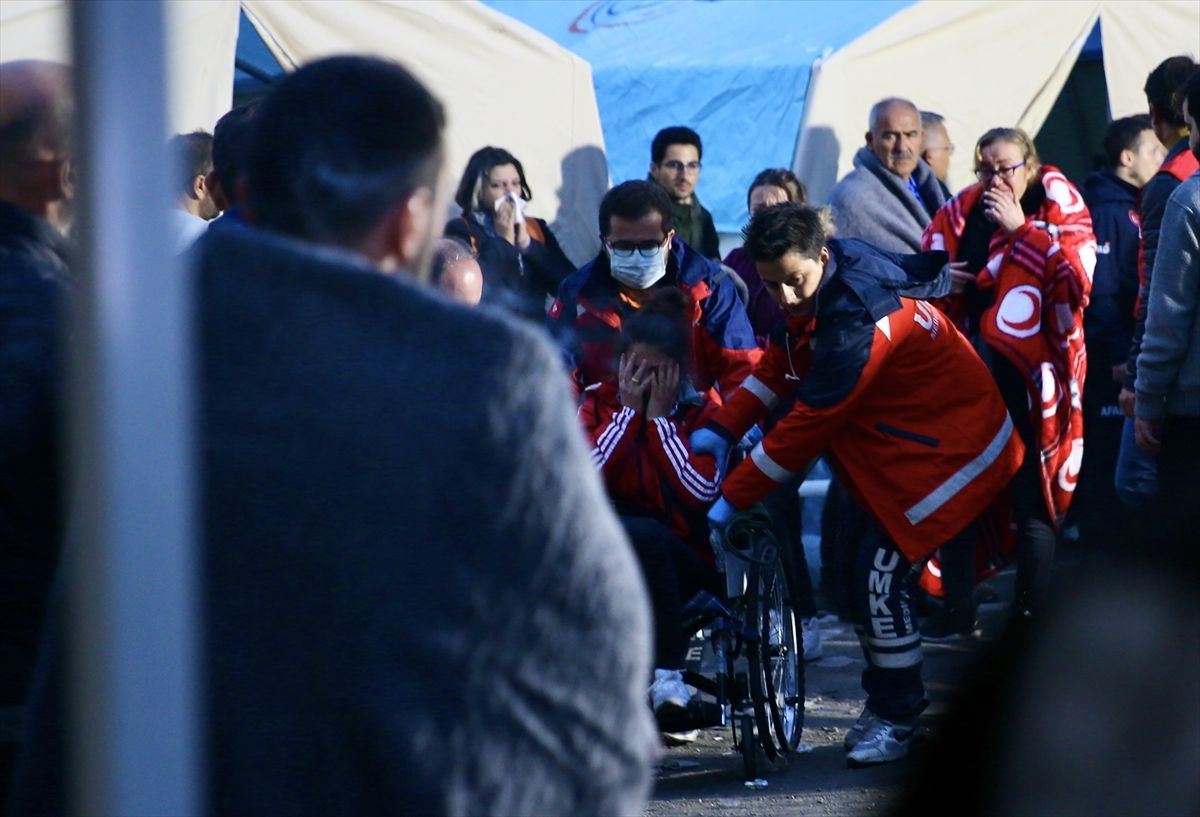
1002, 209
1148, 435
505, 220
1125, 400
703, 441
960, 279
522, 235
664, 390
719, 514
633, 382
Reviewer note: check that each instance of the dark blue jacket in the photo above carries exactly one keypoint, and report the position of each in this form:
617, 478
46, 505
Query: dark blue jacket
33, 286
586, 318
1108, 320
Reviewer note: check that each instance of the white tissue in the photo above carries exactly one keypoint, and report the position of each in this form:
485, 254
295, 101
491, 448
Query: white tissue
517, 200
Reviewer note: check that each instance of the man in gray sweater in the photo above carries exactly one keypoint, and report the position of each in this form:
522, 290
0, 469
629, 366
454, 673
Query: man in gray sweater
891, 195
1167, 409
417, 600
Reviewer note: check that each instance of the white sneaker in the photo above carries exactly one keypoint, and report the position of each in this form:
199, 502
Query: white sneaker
858, 729
882, 742
810, 633
668, 690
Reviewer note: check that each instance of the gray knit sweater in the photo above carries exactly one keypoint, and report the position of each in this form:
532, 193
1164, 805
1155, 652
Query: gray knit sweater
1168, 368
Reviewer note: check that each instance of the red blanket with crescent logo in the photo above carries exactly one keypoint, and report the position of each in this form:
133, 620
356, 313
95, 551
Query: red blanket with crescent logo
1041, 275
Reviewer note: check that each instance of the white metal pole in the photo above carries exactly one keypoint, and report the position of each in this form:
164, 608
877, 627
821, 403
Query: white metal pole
133, 694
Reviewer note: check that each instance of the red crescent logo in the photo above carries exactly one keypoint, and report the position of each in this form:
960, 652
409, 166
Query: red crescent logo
1020, 313
1068, 475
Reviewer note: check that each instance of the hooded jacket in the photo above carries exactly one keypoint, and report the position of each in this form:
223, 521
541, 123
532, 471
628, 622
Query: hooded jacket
915, 422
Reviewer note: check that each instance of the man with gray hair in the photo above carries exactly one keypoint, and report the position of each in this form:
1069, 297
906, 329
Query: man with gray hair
36, 191
891, 195
936, 147
456, 271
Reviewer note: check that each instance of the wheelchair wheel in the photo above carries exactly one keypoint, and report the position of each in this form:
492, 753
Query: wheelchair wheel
776, 662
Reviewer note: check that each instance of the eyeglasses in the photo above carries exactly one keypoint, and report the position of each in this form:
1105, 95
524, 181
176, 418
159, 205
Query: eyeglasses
625, 249
674, 165
986, 174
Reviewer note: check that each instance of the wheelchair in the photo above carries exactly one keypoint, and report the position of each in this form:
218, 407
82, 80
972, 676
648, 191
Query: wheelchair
753, 681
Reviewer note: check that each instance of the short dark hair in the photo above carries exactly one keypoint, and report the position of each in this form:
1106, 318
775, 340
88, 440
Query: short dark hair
478, 166
674, 135
1123, 134
338, 143
1191, 92
447, 251
192, 154
1164, 88
784, 228
662, 323
230, 146
782, 178
633, 199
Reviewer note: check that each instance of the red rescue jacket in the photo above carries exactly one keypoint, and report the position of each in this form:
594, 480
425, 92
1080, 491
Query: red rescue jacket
915, 422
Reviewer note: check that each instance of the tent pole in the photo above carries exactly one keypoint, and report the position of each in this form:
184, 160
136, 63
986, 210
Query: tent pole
130, 566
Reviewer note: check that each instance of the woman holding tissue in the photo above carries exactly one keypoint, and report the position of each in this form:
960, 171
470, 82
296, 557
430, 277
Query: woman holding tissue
521, 261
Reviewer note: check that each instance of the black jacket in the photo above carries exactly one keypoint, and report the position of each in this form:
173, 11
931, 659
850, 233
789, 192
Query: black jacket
34, 281
1108, 320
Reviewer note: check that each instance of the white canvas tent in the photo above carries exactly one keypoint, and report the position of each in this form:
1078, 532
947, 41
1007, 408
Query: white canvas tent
981, 65
501, 82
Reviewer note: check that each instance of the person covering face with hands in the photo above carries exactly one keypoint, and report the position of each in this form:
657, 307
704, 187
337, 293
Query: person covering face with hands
641, 254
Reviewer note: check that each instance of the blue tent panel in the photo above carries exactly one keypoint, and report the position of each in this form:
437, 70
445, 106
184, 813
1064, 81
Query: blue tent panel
736, 71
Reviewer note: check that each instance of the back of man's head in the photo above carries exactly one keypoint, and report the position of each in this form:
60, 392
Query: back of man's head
784, 228
674, 135
192, 154
230, 147
631, 201
338, 145
1163, 89
1123, 134
37, 114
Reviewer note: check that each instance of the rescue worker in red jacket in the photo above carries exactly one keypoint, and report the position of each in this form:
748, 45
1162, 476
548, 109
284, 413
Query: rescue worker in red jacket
913, 421
640, 255
638, 422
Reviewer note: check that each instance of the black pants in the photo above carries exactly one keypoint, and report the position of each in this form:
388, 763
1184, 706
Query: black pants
1036, 537
783, 504
1103, 520
674, 572
1171, 524
887, 628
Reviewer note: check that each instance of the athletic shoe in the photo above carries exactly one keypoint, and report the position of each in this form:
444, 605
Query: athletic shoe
681, 738
858, 729
810, 632
669, 694
882, 742
945, 628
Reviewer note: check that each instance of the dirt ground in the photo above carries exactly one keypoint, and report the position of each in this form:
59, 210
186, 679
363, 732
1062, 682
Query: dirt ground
705, 778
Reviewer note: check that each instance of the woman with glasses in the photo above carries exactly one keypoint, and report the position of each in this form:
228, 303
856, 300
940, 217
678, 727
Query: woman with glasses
1023, 252
521, 261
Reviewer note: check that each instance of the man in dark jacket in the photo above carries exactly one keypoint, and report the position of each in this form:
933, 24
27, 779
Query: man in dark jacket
1135, 475
1134, 154
417, 599
675, 156
35, 211
641, 252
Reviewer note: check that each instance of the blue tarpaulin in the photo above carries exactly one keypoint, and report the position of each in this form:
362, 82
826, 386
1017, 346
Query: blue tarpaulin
736, 71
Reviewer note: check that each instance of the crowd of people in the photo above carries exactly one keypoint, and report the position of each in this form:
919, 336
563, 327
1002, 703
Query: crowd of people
413, 558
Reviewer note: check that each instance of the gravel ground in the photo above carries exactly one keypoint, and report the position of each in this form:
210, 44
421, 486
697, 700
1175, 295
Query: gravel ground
705, 778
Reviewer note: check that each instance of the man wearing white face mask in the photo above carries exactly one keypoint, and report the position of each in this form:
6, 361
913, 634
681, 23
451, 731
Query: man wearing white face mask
640, 253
